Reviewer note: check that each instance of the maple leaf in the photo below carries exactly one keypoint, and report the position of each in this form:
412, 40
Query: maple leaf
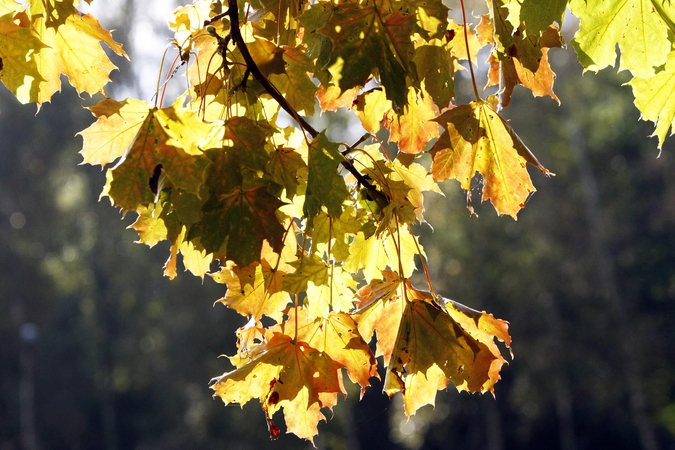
284, 374
537, 16
111, 135
332, 237
478, 140
283, 167
332, 98
379, 310
366, 43
150, 224
636, 26
436, 68
167, 139
433, 348
654, 98
294, 83
518, 58
73, 49
458, 42
254, 290
239, 222
18, 68
372, 107
336, 335
413, 129
188, 20
325, 186
409, 181
375, 253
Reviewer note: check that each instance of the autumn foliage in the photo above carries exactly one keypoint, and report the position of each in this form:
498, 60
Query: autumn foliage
314, 239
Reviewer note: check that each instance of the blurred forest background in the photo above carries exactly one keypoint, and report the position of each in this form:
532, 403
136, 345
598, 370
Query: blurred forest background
98, 350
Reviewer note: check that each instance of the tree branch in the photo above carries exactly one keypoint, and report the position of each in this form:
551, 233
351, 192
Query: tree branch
252, 67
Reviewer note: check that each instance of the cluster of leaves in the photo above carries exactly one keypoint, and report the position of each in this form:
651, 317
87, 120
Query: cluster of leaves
314, 238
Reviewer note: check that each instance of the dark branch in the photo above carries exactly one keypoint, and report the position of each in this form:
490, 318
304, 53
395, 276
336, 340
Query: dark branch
253, 69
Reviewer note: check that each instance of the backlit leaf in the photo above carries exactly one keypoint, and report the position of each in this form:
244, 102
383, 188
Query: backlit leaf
654, 97
325, 186
367, 43
536, 15
117, 126
478, 140
18, 68
254, 290
634, 25
240, 222
413, 129
73, 49
160, 141
284, 374
432, 349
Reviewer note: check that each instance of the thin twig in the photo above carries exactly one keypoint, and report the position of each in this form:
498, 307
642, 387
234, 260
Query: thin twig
468, 52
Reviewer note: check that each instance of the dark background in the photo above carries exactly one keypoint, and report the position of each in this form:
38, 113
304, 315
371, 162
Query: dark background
98, 350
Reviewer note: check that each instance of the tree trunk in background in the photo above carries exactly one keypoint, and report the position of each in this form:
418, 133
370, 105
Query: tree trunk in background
27, 394
493, 424
609, 289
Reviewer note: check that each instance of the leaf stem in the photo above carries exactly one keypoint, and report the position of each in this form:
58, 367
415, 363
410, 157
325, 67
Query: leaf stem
159, 77
425, 267
295, 336
468, 52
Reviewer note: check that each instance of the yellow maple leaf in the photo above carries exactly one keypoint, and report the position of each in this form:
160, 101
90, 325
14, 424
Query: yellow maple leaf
337, 336
379, 310
73, 49
254, 290
116, 128
413, 129
478, 140
18, 47
372, 107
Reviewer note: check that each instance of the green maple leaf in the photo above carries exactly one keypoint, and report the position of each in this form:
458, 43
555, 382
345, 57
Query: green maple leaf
239, 222
518, 58
537, 15
655, 98
365, 44
325, 186
294, 83
283, 167
635, 25
435, 67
